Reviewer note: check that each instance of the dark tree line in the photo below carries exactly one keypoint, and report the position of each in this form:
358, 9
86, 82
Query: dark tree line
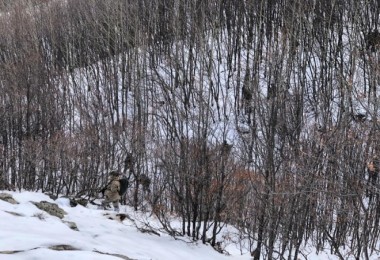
259, 114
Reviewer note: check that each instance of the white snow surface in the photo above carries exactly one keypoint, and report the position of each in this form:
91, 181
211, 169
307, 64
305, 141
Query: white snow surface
35, 231
30, 234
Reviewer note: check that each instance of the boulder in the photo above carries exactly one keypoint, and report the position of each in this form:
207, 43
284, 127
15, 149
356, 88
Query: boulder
63, 248
8, 198
75, 201
50, 208
71, 225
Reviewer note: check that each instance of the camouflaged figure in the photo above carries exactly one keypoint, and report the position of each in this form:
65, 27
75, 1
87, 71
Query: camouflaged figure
112, 191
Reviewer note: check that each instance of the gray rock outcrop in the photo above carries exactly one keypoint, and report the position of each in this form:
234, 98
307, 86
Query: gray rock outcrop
8, 198
50, 208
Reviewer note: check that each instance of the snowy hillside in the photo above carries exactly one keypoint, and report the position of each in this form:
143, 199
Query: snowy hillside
30, 233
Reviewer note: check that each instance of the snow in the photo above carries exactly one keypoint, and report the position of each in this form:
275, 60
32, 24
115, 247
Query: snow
35, 231
31, 234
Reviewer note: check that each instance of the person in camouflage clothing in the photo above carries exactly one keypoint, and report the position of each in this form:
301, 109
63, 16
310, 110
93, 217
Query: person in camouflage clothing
111, 192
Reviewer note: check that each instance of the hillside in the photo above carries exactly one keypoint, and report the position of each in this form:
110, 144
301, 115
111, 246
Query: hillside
259, 115
30, 233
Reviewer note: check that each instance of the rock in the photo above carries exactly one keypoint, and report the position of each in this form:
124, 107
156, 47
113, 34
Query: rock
52, 196
71, 225
75, 201
123, 216
10, 252
15, 213
50, 208
62, 248
82, 201
8, 198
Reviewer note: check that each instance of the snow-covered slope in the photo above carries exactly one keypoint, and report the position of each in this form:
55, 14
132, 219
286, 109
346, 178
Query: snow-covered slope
27, 232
